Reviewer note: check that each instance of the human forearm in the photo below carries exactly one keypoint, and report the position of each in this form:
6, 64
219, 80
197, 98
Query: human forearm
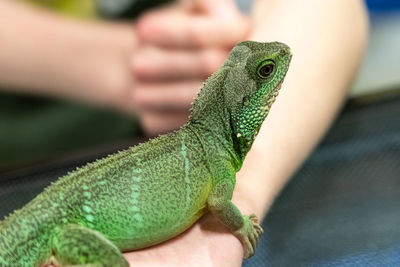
41, 53
327, 40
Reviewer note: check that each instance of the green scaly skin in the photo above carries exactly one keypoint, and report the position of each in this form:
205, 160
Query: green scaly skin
154, 191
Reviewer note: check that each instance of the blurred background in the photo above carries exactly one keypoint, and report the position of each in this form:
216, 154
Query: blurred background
340, 209
381, 68
37, 129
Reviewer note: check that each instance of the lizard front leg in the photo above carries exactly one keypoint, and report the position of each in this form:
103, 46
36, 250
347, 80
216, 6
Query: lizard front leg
244, 227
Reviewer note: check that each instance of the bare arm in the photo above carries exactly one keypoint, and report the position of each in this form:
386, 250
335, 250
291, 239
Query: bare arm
42, 53
327, 39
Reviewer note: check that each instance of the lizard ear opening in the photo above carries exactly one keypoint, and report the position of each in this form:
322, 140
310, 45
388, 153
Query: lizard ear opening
246, 101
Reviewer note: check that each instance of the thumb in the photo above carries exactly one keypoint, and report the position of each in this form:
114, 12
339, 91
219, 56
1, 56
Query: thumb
223, 9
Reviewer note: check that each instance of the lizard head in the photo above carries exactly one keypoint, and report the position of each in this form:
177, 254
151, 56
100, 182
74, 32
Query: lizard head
256, 72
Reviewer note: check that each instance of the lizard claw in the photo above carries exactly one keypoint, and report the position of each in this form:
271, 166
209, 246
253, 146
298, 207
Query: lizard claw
248, 234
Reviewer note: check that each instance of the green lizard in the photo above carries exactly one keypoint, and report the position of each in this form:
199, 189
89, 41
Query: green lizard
156, 190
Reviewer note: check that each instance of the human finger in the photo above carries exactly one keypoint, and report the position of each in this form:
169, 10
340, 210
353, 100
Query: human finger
221, 8
160, 63
166, 96
157, 122
191, 30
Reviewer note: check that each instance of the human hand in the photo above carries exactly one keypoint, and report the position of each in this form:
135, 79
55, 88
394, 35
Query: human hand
206, 243
179, 47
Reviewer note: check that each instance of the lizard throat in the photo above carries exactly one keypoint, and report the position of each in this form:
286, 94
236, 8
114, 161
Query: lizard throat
250, 120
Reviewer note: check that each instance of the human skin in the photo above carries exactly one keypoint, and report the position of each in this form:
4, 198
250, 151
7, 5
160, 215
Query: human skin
327, 40
174, 60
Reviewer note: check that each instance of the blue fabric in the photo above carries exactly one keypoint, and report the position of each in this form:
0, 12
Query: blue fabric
383, 5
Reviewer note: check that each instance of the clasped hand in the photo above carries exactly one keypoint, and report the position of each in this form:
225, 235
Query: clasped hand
178, 48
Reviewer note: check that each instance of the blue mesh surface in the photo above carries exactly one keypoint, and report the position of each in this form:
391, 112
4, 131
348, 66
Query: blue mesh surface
342, 207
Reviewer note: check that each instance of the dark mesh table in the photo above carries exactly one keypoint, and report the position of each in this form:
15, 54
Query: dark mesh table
340, 209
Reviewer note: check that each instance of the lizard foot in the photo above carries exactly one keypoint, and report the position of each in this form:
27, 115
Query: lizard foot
248, 234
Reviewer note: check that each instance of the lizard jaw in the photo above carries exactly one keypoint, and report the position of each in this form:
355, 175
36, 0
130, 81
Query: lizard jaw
271, 100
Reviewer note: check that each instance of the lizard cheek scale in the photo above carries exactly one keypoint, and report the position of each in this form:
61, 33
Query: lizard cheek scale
156, 190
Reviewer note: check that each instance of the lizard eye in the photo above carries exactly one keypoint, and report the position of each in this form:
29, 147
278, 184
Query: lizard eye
265, 69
